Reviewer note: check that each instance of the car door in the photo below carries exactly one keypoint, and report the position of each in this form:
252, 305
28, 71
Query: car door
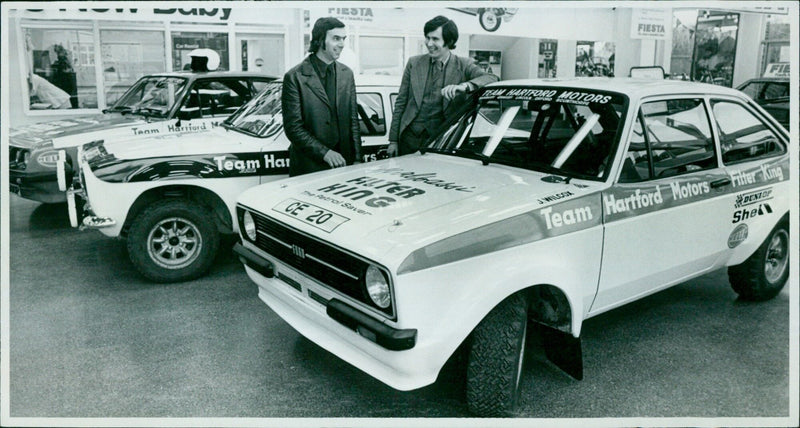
374, 119
755, 156
665, 214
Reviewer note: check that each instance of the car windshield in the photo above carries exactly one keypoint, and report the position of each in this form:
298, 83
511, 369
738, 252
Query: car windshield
261, 116
151, 96
565, 131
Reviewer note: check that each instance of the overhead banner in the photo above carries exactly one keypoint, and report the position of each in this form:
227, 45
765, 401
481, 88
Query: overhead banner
650, 24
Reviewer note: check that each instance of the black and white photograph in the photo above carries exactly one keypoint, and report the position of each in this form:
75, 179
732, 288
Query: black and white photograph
399, 213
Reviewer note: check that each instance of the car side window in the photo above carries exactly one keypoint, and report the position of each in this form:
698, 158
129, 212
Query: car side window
258, 86
774, 90
215, 98
677, 138
743, 136
752, 90
371, 117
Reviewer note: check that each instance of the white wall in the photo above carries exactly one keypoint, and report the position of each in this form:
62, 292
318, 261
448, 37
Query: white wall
565, 58
16, 113
748, 45
519, 60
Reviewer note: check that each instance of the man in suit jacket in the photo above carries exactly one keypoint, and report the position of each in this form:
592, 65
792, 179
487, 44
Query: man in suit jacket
434, 87
320, 115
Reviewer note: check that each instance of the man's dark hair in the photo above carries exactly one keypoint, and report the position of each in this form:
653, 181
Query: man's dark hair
320, 30
449, 30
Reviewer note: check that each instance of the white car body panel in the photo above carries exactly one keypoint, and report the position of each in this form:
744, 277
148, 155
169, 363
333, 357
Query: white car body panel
457, 236
113, 197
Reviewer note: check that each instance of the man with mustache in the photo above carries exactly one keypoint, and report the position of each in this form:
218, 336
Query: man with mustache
433, 88
319, 105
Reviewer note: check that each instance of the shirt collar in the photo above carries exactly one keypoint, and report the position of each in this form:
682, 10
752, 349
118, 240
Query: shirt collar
320, 65
444, 63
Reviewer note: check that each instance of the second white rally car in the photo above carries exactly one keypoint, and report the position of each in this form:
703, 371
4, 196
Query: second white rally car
548, 203
172, 195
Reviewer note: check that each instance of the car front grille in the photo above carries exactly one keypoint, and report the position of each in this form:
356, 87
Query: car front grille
16, 158
331, 266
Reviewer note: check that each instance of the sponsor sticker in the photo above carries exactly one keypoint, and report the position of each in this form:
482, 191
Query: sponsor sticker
48, 159
750, 198
751, 212
560, 95
311, 214
738, 236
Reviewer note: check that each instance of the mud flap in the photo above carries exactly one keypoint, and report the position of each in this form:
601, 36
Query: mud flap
563, 350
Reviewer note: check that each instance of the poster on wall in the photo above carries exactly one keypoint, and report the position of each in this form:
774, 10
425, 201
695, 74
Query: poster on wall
715, 47
547, 58
594, 58
650, 24
489, 61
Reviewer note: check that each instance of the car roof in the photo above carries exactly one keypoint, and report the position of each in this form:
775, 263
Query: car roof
767, 79
377, 80
634, 88
210, 74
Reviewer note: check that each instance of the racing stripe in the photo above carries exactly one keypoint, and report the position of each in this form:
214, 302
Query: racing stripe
629, 200
222, 165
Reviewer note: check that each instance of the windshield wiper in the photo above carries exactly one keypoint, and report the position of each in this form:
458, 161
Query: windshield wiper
119, 109
149, 111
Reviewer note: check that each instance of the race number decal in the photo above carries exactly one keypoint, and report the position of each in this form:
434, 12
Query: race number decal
311, 214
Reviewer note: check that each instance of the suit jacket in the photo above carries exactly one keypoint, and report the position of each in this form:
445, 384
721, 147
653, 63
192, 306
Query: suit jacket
409, 98
307, 117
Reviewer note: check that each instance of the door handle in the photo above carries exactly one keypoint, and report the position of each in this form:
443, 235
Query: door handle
721, 182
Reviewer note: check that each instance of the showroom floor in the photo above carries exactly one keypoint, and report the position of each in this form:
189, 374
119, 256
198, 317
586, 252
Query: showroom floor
90, 338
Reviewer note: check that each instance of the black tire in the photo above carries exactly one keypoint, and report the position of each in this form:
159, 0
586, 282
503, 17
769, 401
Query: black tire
489, 19
173, 240
763, 275
494, 367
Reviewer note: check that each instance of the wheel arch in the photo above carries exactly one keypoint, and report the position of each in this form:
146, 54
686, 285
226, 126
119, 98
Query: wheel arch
200, 195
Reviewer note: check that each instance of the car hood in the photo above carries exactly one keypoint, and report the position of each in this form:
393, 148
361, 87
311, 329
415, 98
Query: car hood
387, 209
213, 140
70, 132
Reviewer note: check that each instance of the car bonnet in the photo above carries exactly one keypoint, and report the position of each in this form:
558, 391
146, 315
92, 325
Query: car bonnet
69, 132
405, 203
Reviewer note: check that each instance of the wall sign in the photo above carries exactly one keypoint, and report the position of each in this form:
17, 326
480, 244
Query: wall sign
650, 24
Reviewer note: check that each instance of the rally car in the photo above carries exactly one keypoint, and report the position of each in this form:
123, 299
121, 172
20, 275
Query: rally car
771, 93
547, 203
157, 104
172, 195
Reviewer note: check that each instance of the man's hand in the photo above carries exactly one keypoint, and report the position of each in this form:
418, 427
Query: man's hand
334, 159
450, 91
392, 149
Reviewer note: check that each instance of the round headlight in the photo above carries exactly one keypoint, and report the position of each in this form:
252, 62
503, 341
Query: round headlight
377, 287
249, 225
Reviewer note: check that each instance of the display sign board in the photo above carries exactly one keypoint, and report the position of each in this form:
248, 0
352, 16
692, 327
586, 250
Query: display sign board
242, 13
650, 24
778, 69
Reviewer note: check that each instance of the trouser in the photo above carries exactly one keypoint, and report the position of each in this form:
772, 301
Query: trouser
411, 140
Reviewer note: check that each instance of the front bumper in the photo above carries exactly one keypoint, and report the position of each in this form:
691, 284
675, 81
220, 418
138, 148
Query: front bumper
393, 356
36, 186
382, 334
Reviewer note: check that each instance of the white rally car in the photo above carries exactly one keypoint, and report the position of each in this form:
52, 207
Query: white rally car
157, 104
547, 203
172, 195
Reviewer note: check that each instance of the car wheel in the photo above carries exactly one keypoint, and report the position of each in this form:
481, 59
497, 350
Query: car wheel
489, 19
763, 275
494, 367
173, 240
